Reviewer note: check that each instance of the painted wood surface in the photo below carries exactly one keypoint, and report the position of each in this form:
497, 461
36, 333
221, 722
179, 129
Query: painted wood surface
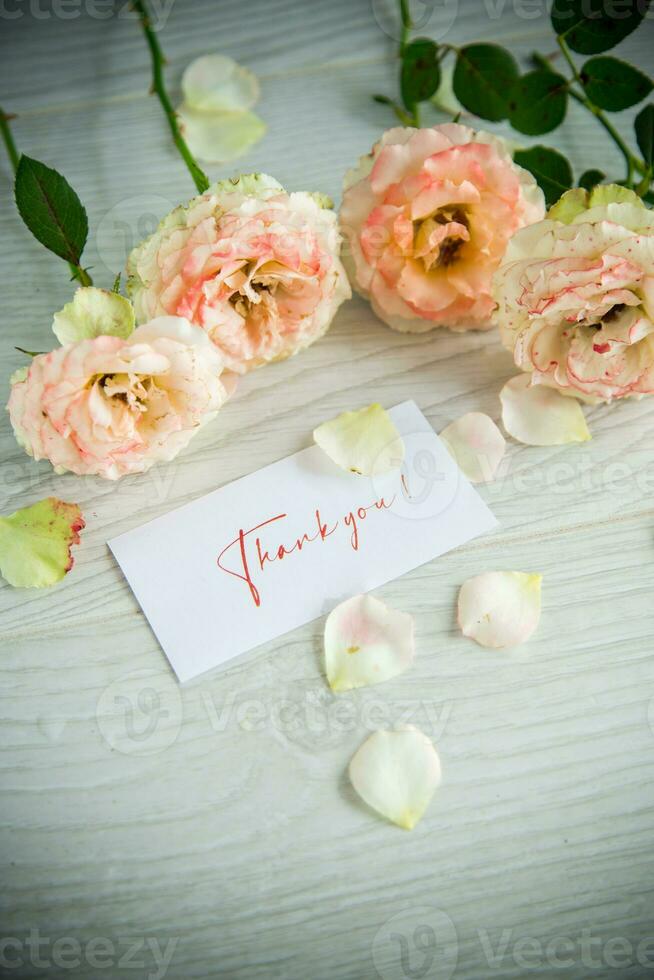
214, 824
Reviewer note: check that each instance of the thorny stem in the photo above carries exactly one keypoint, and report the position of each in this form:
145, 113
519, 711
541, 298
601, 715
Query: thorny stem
199, 177
78, 273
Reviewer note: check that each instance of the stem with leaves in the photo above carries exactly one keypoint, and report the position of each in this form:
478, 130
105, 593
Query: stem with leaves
199, 177
632, 162
78, 273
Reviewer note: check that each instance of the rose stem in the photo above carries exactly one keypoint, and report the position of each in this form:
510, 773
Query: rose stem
199, 177
631, 161
407, 24
77, 271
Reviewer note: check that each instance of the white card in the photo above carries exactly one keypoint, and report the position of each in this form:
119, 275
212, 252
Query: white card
282, 546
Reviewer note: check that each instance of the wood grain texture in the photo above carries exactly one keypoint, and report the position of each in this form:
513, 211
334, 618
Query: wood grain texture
219, 818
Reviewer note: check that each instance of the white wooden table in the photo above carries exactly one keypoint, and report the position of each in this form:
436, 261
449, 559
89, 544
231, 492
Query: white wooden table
214, 825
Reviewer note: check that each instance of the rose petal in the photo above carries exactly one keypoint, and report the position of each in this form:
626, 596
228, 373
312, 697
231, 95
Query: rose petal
36, 541
218, 137
93, 313
366, 642
476, 444
364, 441
396, 773
500, 609
541, 416
215, 82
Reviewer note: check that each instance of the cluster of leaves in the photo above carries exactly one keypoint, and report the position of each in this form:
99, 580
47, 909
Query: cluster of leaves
487, 81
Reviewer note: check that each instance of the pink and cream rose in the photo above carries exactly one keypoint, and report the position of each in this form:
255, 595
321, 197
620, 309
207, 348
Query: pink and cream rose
111, 406
255, 267
427, 216
575, 296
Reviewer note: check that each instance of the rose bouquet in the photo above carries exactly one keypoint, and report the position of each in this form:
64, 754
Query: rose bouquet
441, 226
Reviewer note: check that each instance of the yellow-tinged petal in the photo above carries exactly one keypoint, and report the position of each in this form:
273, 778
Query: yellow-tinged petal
366, 642
541, 416
36, 542
218, 137
93, 312
476, 444
396, 773
364, 442
500, 609
217, 83
569, 205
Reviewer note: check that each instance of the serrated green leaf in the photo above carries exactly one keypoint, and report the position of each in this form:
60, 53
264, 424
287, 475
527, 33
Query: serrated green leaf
593, 26
51, 209
36, 542
538, 102
420, 74
614, 85
550, 168
483, 78
644, 126
590, 178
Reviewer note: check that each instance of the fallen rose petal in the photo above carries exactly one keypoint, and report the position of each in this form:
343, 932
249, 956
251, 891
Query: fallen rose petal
396, 773
92, 313
541, 416
366, 642
476, 444
36, 542
500, 609
364, 442
217, 83
218, 137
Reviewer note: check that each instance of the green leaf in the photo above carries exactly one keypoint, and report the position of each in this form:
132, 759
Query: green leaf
420, 74
593, 26
51, 209
614, 85
644, 126
538, 102
36, 542
30, 353
590, 178
549, 167
483, 78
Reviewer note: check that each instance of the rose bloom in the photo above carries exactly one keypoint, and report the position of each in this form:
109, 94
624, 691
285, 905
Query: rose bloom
110, 406
255, 267
427, 216
575, 296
